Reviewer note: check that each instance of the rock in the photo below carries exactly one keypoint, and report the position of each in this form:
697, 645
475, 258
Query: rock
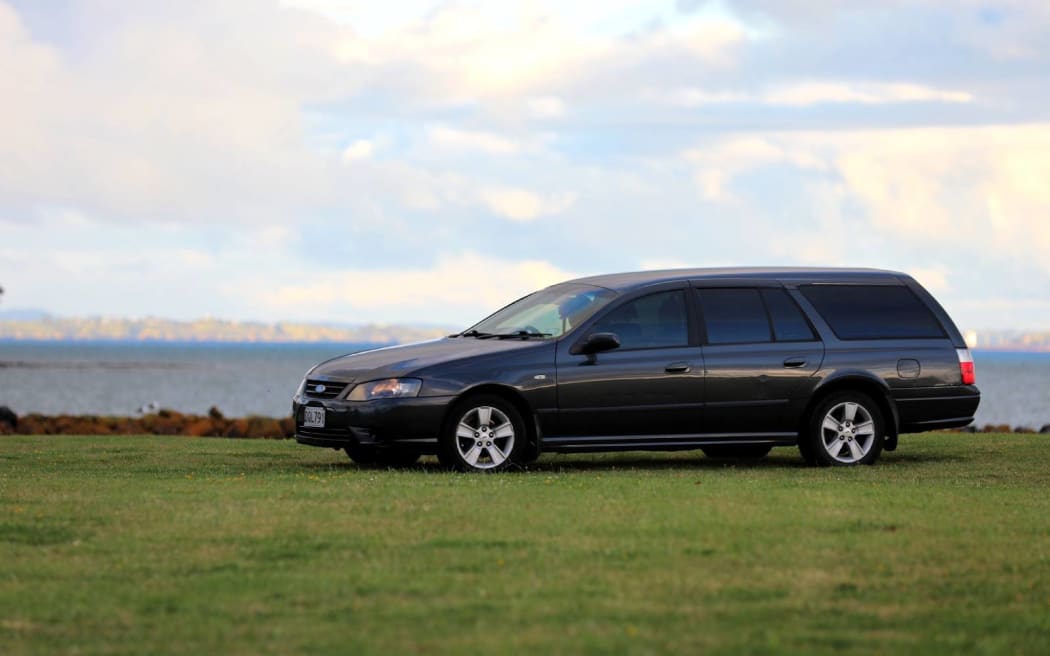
8, 417
997, 428
200, 428
264, 427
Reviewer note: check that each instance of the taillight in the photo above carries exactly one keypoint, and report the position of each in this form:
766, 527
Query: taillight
969, 376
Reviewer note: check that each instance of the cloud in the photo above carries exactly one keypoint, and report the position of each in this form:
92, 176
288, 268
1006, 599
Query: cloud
719, 163
936, 279
813, 93
466, 285
662, 264
523, 205
157, 118
546, 107
486, 142
806, 94
946, 185
359, 149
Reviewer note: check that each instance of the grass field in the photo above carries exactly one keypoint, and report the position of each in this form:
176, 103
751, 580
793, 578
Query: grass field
181, 545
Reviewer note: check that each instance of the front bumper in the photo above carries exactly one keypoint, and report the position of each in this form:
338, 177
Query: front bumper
409, 422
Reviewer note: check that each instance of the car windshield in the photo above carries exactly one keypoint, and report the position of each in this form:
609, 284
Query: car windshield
550, 312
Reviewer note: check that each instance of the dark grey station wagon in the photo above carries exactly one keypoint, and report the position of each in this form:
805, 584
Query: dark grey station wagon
838, 362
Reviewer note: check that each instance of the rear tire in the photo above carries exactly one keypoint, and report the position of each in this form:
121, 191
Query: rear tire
741, 451
483, 433
845, 429
370, 456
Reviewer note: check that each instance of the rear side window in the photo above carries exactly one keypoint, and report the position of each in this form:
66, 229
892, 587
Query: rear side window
789, 325
734, 316
873, 311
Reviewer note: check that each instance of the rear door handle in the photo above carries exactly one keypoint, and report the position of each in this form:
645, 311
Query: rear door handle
795, 363
677, 368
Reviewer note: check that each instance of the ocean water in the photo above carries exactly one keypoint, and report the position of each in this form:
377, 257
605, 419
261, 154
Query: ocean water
245, 379
117, 378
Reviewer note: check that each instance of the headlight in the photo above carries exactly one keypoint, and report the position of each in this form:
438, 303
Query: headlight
385, 389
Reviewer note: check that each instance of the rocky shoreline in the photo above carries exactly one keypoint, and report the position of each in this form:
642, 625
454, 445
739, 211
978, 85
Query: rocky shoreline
215, 424
162, 422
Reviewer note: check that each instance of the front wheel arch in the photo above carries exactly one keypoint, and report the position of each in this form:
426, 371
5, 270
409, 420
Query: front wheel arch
511, 395
499, 430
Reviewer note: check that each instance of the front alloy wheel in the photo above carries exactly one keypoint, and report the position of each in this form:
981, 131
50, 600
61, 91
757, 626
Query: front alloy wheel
845, 429
485, 434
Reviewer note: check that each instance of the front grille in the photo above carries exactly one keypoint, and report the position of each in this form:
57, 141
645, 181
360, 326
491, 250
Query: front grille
323, 389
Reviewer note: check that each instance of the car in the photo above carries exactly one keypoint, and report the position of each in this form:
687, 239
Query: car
731, 361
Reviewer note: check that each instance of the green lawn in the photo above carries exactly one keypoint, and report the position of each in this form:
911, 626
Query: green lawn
182, 545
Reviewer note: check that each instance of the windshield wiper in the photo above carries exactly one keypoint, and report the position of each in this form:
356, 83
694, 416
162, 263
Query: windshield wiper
523, 334
472, 333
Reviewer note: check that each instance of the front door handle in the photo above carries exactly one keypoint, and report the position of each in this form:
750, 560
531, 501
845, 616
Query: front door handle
795, 363
678, 368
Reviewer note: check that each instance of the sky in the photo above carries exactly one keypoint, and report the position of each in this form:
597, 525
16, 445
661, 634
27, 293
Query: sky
427, 162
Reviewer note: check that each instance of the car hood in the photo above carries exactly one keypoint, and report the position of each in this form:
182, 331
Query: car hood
404, 360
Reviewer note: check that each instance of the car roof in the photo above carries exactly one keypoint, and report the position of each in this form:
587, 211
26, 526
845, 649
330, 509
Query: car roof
631, 280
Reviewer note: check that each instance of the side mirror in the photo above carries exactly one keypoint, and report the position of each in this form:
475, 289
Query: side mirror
597, 343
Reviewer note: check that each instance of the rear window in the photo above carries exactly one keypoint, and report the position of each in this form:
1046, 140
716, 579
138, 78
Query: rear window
873, 311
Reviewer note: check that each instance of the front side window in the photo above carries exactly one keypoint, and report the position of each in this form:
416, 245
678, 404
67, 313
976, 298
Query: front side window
873, 311
657, 320
734, 316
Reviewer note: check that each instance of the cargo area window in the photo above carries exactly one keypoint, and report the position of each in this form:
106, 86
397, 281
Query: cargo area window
873, 311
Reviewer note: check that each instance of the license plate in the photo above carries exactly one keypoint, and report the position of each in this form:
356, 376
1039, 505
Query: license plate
313, 417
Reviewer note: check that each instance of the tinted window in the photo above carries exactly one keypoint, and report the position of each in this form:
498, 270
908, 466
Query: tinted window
648, 322
789, 325
734, 316
872, 311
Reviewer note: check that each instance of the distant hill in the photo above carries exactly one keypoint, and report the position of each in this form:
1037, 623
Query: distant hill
23, 314
24, 325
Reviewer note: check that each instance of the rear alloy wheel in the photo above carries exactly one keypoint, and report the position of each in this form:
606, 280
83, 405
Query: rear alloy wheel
742, 451
845, 429
484, 433
370, 456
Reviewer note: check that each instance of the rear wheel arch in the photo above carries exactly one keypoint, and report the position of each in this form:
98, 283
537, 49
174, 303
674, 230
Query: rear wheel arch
874, 388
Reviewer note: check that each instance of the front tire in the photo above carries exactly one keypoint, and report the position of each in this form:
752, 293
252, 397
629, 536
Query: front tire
844, 430
484, 433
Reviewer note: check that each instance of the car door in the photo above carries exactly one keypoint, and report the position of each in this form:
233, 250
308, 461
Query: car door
760, 354
651, 385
